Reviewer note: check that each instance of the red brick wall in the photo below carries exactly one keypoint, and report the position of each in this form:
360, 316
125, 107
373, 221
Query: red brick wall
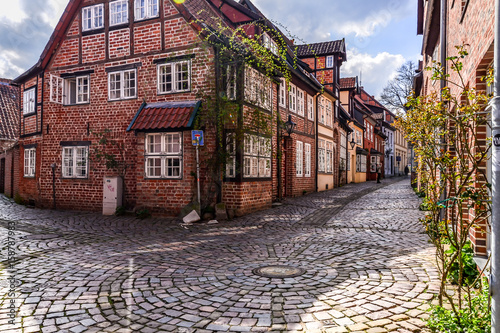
11, 181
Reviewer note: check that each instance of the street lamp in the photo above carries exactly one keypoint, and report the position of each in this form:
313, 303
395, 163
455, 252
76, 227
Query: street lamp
290, 125
352, 143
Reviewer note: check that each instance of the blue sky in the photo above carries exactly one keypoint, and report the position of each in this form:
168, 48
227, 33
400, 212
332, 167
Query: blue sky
380, 34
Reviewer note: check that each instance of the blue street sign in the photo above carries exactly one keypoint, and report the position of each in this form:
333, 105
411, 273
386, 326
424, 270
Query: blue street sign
197, 138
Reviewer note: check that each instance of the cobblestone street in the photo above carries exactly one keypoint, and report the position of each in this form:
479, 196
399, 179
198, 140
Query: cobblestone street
368, 268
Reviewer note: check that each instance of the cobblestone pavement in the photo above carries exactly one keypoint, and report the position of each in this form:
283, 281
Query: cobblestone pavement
368, 268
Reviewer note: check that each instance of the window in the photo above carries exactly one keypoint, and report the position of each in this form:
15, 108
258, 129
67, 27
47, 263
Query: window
328, 112
373, 163
231, 81
269, 44
231, 155
321, 155
329, 61
122, 85
310, 108
343, 151
93, 17
300, 102
29, 162
322, 116
257, 157
283, 93
299, 159
118, 12
360, 163
292, 95
70, 91
258, 88
174, 77
29, 101
164, 155
329, 157
307, 157
145, 9
75, 161
359, 137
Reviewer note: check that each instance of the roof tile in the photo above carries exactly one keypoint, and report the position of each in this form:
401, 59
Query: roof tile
318, 49
9, 110
165, 115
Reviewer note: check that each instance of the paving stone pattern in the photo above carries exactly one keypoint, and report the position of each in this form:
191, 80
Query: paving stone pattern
369, 268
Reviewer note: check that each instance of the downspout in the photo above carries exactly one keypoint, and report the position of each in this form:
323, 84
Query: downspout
495, 200
220, 177
316, 143
443, 52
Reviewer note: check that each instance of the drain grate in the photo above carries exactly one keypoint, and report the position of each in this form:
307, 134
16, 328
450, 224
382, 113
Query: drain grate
279, 271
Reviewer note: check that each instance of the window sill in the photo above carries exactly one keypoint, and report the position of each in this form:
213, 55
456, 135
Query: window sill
256, 179
118, 26
146, 19
159, 93
163, 178
29, 114
74, 178
122, 99
78, 104
29, 177
93, 31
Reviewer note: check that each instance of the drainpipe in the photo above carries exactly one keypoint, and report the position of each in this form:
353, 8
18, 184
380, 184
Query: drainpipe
495, 200
53, 166
278, 145
443, 82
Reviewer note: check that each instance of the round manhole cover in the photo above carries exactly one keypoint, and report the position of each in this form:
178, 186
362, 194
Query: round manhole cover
279, 271
41, 237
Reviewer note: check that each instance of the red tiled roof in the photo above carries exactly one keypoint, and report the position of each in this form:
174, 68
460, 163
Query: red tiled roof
318, 49
165, 115
347, 83
9, 111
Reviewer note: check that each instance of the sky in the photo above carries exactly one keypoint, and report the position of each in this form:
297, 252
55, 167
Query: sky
380, 34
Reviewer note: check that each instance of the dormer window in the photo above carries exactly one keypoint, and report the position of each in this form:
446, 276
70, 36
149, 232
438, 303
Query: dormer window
329, 61
269, 44
93, 17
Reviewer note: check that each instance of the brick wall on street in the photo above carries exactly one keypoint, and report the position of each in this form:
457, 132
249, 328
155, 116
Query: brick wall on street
11, 181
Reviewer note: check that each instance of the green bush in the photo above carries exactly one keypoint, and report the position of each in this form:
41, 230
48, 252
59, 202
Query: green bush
470, 271
143, 214
120, 211
474, 318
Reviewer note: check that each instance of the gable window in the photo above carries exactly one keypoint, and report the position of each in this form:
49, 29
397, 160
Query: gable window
283, 93
122, 85
75, 162
118, 12
29, 162
307, 157
300, 102
93, 17
329, 61
164, 155
145, 9
29, 101
310, 108
257, 157
269, 44
70, 91
292, 93
258, 88
299, 159
174, 77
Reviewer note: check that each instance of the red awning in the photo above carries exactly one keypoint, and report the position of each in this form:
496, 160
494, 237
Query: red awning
165, 115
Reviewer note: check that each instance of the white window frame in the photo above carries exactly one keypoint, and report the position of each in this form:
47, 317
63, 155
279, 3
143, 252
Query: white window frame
299, 159
177, 85
329, 157
122, 89
373, 164
307, 157
310, 107
269, 43
231, 155
321, 106
29, 162
60, 90
258, 88
96, 17
29, 101
71, 165
256, 156
321, 155
328, 112
164, 155
114, 14
144, 9
282, 97
300, 102
231, 81
292, 97
329, 62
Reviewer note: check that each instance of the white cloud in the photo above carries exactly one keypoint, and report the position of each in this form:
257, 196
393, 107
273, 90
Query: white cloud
375, 71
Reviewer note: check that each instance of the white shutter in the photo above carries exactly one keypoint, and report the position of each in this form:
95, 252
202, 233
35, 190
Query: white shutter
56, 89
